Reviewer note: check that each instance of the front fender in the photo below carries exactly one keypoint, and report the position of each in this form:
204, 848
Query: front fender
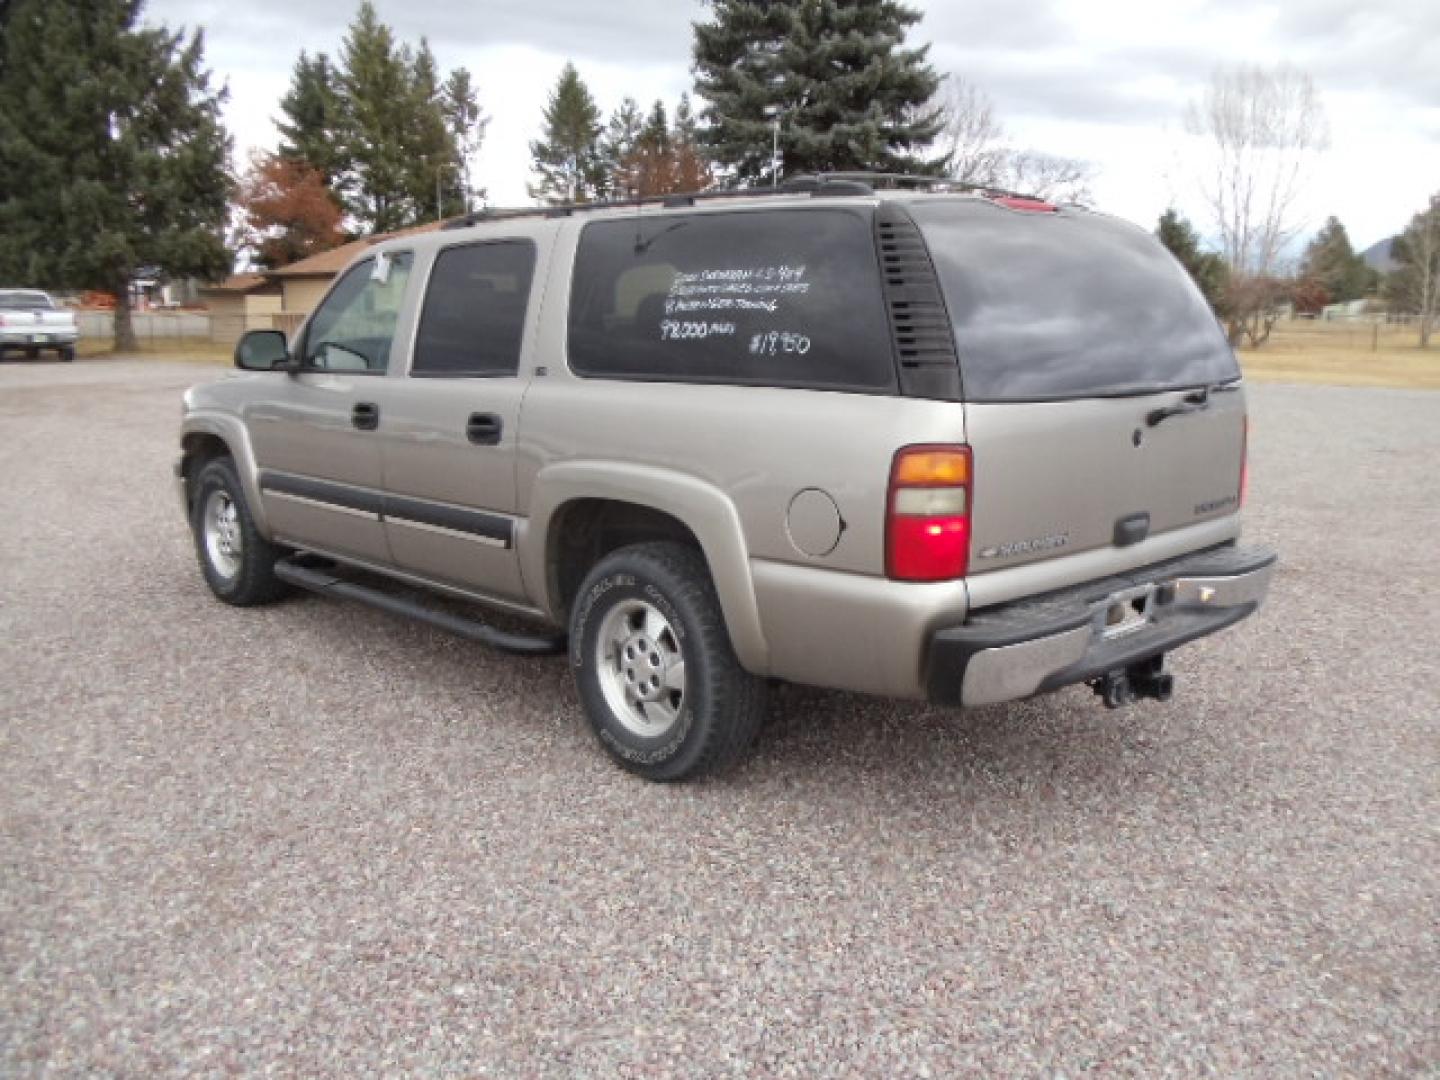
704, 509
229, 429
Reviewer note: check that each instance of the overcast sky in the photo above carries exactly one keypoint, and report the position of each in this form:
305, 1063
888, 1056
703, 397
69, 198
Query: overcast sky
1104, 80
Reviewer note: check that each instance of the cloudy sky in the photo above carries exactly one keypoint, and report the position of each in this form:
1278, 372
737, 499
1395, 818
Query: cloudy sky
1104, 80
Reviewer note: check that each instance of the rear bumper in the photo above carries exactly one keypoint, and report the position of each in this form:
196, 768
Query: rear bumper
13, 338
1017, 650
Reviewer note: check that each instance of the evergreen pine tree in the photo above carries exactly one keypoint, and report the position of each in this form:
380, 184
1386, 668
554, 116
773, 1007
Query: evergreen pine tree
1206, 268
656, 132
375, 82
617, 151
1331, 261
433, 181
655, 163
86, 205
685, 128
833, 73
692, 171
466, 122
403, 134
310, 127
567, 157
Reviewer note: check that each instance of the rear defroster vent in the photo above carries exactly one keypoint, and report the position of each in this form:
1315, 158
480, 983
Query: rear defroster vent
919, 324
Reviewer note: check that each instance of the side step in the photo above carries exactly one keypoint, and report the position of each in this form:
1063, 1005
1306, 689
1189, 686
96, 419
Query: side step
327, 583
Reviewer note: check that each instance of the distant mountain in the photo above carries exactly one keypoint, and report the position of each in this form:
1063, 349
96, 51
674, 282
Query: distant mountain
1378, 256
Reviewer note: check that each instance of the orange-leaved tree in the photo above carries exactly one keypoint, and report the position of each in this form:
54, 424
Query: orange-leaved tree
287, 213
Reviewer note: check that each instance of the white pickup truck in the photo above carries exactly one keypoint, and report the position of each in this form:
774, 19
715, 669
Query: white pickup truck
29, 320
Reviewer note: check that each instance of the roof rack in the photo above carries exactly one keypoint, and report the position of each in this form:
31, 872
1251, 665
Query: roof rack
816, 185
685, 198
892, 180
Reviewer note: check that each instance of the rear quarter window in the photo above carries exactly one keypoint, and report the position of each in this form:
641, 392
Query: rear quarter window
786, 298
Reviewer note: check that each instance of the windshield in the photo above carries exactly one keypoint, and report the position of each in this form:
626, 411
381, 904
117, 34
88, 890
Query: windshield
1050, 306
24, 301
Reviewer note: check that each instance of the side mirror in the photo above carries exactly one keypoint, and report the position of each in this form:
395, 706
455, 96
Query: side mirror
262, 350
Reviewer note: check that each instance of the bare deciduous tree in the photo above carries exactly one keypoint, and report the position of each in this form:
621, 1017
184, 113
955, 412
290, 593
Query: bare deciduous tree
1059, 179
1262, 129
978, 151
1251, 305
973, 139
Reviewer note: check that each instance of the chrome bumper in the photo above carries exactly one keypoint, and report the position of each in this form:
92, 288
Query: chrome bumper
1036, 646
37, 339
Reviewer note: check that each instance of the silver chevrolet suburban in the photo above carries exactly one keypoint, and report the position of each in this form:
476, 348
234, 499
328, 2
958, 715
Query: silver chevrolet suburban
963, 446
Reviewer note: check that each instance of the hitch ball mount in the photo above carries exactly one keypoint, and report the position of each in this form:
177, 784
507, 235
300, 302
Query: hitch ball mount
1125, 686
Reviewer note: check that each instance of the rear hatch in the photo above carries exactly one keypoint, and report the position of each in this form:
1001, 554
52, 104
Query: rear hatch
1085, 352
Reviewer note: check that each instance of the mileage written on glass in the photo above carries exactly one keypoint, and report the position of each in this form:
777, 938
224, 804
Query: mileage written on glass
696, 296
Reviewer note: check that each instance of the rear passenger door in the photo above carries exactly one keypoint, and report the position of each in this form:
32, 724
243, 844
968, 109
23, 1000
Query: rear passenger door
452, 421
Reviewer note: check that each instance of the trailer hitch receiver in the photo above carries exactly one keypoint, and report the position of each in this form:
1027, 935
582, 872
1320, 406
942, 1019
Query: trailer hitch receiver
1125, 686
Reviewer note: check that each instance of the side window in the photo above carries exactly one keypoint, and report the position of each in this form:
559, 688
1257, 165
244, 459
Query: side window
769, 298
474, 315
354, 325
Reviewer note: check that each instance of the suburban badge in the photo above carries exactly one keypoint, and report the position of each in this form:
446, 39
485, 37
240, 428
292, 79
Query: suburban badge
1216, 504
1026, 547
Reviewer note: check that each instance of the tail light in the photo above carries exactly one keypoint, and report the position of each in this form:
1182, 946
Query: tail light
1244, 461
927, 524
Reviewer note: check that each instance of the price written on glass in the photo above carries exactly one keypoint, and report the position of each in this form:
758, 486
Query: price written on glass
776, 342
677, 330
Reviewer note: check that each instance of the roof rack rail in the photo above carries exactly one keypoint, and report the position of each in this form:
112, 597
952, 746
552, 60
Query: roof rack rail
917, 180
820, 185
559, 210
800, 185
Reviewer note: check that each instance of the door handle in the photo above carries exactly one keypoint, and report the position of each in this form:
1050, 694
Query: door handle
483, 429
365, 415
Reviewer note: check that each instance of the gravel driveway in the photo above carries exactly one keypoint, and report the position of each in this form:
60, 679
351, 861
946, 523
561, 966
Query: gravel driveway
313, 840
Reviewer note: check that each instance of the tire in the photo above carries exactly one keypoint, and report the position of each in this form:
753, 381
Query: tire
642, 610
238, 563
67, 354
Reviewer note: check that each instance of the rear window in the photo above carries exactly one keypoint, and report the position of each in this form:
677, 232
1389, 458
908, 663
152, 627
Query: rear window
29, 301
773, 298
1067, 305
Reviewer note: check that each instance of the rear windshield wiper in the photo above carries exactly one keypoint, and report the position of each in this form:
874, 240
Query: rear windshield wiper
1195, 401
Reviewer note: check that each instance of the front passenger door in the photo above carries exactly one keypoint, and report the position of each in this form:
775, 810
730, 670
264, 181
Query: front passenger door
316, 438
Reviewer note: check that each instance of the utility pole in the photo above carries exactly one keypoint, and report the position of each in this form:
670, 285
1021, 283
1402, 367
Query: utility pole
775, 152
439, 198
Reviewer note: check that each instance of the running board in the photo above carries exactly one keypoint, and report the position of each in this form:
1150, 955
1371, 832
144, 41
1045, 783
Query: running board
328, 584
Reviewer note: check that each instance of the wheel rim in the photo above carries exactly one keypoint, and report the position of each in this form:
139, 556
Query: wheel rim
223, 543
641, 667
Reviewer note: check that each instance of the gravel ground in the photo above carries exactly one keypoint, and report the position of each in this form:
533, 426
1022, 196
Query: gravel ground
313, 840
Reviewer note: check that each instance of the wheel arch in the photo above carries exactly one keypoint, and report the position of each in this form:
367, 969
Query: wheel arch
581, 511
203, 438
